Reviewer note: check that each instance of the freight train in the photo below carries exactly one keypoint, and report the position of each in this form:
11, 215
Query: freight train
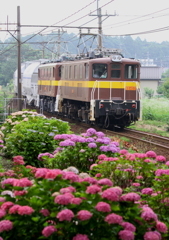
96, 89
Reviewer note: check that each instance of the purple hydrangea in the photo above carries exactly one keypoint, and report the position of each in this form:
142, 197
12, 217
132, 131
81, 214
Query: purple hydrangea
44, 154
90, 132
104, 148
100, 134
89, 139
61, 136
67, 143
92, 145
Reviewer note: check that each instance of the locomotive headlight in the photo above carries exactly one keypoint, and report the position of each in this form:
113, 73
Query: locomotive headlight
133, 105
116, 58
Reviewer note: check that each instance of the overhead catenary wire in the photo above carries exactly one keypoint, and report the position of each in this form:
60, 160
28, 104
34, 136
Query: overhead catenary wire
133, 19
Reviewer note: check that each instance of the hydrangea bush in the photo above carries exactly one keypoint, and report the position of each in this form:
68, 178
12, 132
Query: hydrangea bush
143, 173
56, 204
29, 135
79, 150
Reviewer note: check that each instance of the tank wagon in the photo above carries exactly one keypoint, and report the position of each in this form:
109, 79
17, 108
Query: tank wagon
103, 91
29, 80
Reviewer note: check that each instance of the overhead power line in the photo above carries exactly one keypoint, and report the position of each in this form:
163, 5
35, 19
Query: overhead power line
139, 33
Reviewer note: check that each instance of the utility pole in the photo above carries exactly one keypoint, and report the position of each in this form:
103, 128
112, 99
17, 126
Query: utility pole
99, 15
19, 59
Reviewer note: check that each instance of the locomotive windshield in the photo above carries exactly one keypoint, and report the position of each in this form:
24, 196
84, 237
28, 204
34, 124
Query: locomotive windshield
131, 71
99, 70
115, 70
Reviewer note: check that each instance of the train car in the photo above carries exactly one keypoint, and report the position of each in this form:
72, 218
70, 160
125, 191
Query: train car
102, 91
15, 75
29, 81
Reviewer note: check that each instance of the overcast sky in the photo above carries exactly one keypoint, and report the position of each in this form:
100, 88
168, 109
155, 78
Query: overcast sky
131, 16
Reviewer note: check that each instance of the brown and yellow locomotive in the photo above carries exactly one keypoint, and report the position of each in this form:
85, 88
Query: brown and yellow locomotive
103, 91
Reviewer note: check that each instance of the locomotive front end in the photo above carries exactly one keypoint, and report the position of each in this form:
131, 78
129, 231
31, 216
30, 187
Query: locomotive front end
115, 96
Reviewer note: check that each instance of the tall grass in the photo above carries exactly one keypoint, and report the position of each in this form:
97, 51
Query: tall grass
156, 109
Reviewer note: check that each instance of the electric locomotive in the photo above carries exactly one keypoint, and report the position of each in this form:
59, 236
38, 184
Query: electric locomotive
104, 91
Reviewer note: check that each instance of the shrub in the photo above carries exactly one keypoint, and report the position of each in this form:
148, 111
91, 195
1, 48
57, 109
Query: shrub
31, 136
61, 205
79, 151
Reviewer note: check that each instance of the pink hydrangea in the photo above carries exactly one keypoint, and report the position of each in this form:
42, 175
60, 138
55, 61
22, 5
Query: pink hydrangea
90, 180
93, 189
5, 225
80, 237
84, 215
103, 207
117, 190
53, 173
76, 201
67, 190
2, 199
2, 213
9, 181
48, 231
23, 182
25, 210
63, 199
20, 193
139, 177
147, 191
6, 205
41, 172
93, 165
128, 226
126, 235
45, 212
102, 156
147, 160
136, 184
98, 175
167, 163
65, 215
105, 181
110, 194
148, 215
161, 227
123, 152
131, 197
113, 219
160, 158
151, 154
14, 209
151, 236
71, 176
18, 160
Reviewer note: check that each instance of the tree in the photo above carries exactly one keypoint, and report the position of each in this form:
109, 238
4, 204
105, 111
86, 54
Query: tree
148, 92
166, 88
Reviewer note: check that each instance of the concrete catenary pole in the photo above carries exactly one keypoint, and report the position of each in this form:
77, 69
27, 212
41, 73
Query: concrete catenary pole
19, 60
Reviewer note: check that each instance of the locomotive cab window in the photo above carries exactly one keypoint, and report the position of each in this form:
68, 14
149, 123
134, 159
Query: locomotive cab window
115, 70
131, 71
99, 71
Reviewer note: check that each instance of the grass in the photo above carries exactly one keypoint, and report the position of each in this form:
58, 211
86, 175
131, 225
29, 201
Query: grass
152, 126
155, 115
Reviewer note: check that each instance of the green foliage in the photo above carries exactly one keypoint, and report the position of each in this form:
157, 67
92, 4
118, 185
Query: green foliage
148, 92
148, 114
166, 88
155, 109
30, 135
160, 89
